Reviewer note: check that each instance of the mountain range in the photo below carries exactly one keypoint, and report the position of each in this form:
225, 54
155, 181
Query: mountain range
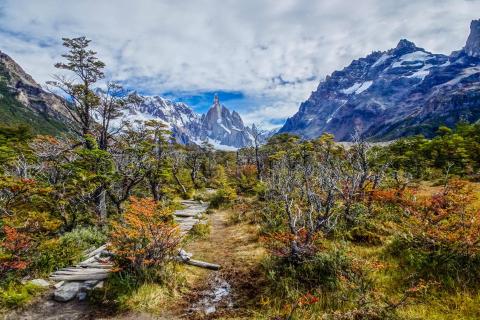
24, 101
403, 91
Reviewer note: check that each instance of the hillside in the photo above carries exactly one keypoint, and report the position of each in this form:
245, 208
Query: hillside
400, 92
23, 101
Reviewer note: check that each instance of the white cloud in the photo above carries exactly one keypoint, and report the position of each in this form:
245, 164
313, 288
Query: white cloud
275, 52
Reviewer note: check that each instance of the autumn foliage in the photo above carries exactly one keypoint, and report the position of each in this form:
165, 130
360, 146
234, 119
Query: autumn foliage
441, 234
145, 236
14, 251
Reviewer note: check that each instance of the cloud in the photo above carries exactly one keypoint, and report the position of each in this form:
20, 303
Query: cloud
273, 52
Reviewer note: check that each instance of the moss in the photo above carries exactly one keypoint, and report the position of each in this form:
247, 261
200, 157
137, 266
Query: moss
18, 295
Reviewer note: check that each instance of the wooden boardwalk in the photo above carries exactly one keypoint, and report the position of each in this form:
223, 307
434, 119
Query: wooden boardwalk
91, 272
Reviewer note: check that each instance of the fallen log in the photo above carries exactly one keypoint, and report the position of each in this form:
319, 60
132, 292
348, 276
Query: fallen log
202, 264
185, 257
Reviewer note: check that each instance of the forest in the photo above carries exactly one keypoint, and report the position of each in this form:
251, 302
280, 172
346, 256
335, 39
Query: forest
303, 229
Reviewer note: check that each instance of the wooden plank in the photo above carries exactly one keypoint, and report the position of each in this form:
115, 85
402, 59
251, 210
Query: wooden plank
80, 277
97, 251
68, 273
95, 265
81, 270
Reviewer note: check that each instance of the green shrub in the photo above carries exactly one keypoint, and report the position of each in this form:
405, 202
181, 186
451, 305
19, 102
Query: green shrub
200, 230
126, 291
66, 250
85, 237
53, 254
364, 235
17, 295
440, 263
323, 272
223, 197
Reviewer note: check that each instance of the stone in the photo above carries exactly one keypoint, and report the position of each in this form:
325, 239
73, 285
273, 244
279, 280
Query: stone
67, 292
40, 282
90, 284
81, 296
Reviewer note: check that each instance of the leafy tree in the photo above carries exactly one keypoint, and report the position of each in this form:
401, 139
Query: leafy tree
87, 69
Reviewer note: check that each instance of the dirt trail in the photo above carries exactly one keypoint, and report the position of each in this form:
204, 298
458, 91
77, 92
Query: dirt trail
235, 247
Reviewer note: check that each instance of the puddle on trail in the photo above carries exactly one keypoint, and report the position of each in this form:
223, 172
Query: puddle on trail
218, 296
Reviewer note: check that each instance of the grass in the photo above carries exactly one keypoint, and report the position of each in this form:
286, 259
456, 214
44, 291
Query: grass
235, 245
200, 230
18, 295
150, 298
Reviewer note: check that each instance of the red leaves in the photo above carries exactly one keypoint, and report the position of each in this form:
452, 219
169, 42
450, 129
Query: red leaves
308, 299
16, 246
445, 218
280, 243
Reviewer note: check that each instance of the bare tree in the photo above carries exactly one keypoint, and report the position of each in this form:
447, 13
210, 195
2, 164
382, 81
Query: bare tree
306, 183
177, 155
257, 136
130, 155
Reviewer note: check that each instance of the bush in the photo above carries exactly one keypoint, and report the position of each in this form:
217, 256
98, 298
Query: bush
364, 235
322, 272
441, 235
223, 196
200, 230
15, 252
144, 237
85, 237
66, 250
126, 291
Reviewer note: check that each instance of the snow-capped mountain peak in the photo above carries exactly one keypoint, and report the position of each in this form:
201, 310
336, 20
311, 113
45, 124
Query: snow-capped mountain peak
402, 91
219, 126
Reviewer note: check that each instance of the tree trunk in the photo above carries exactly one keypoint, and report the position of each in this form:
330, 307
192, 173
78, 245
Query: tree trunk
154, 186
101, 203
180, 184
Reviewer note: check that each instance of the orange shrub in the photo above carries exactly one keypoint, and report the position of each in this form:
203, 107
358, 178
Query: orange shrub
441, 235
14, 251
145, 236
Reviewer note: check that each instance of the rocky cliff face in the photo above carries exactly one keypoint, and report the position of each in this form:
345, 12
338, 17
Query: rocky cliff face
403, 91
472, 48
219, 126
24, 102
28, 92
223, 127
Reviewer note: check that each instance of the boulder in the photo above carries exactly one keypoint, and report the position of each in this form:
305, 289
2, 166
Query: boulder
67, 292
40, 282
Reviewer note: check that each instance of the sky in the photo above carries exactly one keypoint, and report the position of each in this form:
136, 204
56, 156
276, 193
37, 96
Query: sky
263, 57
